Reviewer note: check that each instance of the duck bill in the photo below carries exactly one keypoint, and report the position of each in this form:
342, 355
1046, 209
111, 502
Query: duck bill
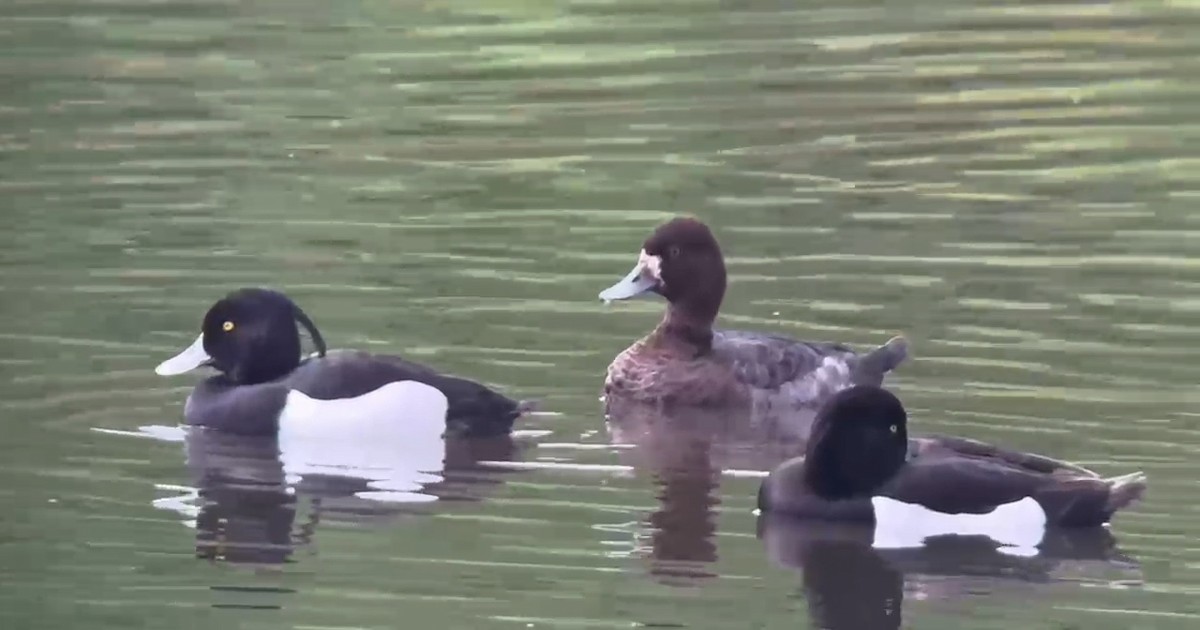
191, 358
638, 282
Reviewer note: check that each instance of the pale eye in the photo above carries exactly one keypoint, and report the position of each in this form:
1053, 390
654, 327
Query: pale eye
893, 428
228, 326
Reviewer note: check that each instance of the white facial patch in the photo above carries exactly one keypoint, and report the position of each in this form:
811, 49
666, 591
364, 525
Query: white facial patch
650, 265
645, 276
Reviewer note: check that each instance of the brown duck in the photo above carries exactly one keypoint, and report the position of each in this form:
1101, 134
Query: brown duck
685, 361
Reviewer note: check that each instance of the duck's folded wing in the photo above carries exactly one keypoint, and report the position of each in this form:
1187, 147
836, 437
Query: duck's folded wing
474, 408
346, 374
349, 373
1031, 462
956, 485
768, 361
952, 483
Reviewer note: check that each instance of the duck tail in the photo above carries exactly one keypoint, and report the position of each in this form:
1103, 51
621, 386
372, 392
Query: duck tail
1124, 490
873, 365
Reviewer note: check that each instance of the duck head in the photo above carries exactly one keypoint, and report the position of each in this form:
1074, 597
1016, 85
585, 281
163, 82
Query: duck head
859, 440
250, 336
682, 262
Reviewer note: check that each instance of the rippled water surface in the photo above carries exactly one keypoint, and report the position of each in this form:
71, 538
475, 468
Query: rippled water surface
1011, 185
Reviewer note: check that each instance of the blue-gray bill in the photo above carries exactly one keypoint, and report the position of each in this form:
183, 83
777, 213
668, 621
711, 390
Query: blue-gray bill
191, 358
636, 283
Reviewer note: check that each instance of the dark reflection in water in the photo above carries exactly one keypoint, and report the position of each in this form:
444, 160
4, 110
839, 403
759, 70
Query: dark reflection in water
672, 439
850, 584
684, 525
685, 450
251, 512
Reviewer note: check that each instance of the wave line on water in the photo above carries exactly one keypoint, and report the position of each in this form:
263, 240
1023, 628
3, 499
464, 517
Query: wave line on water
603, 468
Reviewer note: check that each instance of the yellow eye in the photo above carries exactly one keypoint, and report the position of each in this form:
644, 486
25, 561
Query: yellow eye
228, 326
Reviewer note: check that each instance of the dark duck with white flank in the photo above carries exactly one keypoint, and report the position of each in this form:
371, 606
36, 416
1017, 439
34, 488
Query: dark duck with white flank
685, 361
250, 336
860, 466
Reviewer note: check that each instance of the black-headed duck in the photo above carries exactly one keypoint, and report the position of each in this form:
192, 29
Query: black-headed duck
685, 361
860, 466
251, 337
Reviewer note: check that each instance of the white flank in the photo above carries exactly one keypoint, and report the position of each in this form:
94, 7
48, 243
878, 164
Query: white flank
391, 437
1020, 524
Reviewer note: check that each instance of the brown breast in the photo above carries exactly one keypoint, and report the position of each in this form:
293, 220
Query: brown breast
663, 374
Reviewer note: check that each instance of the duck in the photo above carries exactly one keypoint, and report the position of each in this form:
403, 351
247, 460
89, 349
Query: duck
263, 384
685, 361
860, 466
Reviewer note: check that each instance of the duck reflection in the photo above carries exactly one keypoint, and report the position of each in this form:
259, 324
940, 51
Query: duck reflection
683, 528
257, 504
666, 437
849, 584
685, 450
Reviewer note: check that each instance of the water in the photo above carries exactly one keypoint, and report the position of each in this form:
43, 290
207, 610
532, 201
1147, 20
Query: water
1011, 186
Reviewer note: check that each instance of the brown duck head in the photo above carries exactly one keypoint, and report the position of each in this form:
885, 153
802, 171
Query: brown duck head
682, 262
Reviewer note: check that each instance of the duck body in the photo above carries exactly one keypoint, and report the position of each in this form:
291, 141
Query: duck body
684, 360
251, 338
346, 375
860, 466
957, 476
742, 368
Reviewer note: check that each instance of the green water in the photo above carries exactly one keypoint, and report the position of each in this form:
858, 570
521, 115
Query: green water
1013, 186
